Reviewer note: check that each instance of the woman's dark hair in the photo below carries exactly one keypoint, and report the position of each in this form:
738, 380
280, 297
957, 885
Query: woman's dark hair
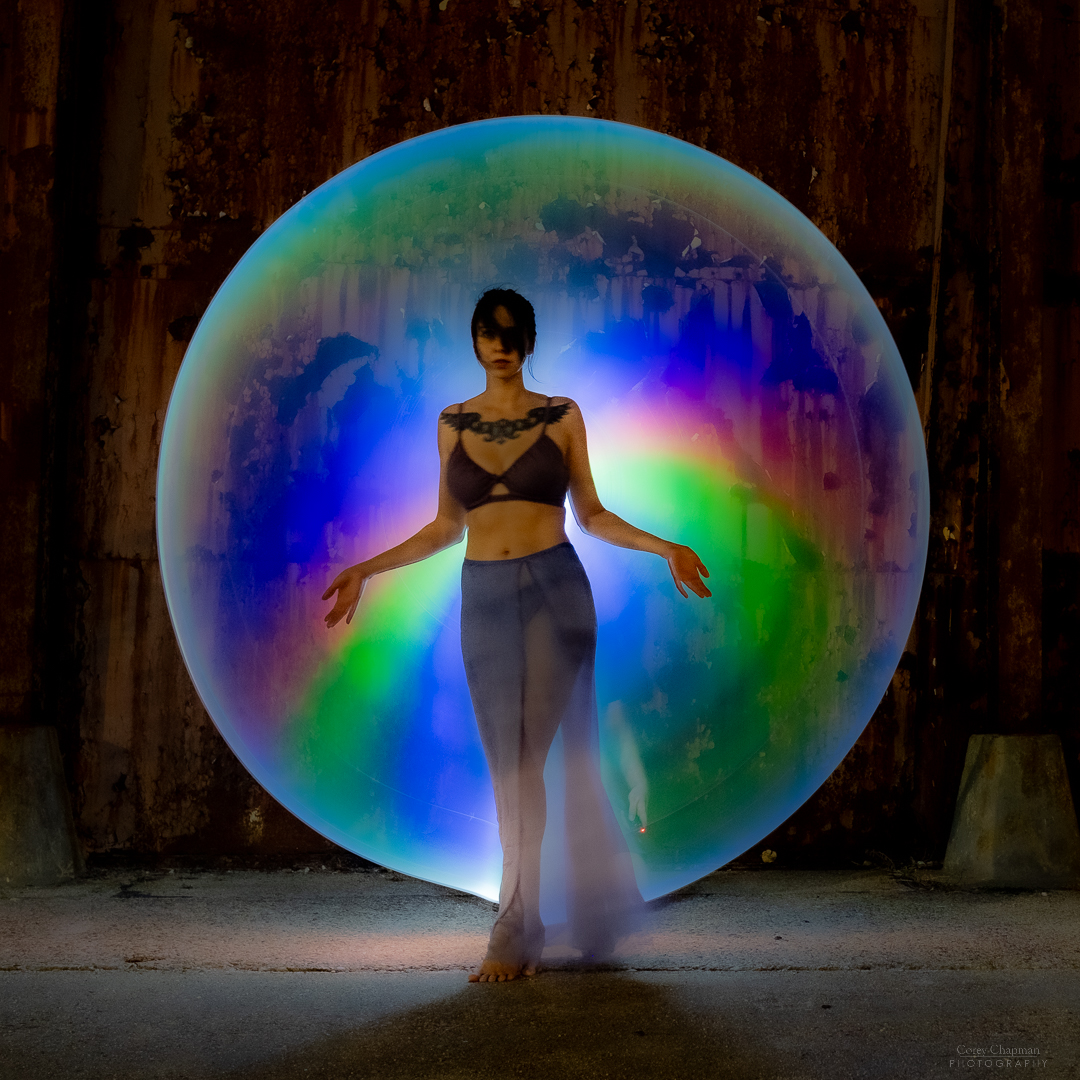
522, 335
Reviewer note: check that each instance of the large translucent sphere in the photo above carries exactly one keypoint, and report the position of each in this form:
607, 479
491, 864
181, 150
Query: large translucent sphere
742, 395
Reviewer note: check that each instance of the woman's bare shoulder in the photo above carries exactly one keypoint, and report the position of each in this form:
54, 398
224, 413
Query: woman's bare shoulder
565, 404
564, 415
462, 406
565, 408
458, 415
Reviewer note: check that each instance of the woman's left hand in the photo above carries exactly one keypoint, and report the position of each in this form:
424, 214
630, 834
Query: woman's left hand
687, 569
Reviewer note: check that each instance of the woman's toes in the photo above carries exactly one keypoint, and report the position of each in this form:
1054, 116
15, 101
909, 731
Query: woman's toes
498, 976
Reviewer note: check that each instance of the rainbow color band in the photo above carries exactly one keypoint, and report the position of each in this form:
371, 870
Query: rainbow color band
743, 396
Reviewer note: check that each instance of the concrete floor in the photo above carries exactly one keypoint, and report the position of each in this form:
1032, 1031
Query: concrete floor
772, 974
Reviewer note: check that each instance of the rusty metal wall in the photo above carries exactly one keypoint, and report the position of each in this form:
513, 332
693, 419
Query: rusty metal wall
29, 72
203, 121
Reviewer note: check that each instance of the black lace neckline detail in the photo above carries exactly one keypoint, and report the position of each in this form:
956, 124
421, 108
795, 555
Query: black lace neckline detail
498, 431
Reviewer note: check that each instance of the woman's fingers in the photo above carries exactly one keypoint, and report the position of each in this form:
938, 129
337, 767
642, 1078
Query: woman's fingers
676, 574
331, 616
685, 568
701, 588
697, 586
678, 583
349, 590
348, 596
352, 609
359, 593
338, 583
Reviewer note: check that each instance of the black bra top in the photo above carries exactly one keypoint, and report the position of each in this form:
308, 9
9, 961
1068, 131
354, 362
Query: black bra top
539, 475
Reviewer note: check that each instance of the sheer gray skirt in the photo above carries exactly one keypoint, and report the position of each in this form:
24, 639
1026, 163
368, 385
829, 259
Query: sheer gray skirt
528, 637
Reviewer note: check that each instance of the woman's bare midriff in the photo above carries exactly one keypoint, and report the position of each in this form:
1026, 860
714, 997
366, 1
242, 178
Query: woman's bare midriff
510, 530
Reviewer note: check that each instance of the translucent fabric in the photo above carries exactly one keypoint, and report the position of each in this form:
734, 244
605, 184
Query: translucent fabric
528, 637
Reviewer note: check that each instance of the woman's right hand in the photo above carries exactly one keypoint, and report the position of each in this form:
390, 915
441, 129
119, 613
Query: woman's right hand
349, 585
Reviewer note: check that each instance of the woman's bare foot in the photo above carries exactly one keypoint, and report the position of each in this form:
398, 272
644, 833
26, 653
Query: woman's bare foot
493, 971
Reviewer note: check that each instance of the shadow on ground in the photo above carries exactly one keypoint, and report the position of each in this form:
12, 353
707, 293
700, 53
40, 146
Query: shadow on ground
559, 1025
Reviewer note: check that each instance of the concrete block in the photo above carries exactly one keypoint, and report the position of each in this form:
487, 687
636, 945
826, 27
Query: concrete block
37, 835
1015, 824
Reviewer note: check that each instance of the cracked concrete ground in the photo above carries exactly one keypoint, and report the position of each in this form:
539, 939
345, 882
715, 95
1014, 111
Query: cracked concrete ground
772, 974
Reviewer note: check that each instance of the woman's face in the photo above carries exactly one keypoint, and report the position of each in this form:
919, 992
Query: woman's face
495, 358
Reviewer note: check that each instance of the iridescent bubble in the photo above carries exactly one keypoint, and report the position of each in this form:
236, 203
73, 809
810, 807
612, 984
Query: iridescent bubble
743, 396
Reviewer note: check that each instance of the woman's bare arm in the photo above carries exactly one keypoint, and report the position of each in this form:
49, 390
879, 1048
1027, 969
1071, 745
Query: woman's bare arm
686, 568
447, 529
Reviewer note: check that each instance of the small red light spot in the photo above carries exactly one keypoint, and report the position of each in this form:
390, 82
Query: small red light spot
641, 830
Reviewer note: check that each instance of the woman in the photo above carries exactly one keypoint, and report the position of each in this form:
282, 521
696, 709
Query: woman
528, 631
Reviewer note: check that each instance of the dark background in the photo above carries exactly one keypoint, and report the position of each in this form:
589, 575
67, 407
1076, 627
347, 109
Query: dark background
147, 144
